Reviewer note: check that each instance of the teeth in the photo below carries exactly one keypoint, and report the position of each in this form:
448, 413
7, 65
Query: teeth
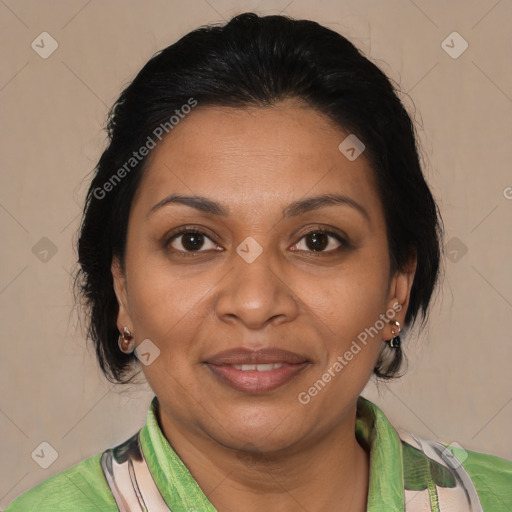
258, 367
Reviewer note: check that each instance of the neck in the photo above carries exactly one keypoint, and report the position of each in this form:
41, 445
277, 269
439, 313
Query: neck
329, 473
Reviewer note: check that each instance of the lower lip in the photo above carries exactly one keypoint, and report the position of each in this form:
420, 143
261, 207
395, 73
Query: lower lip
252, 381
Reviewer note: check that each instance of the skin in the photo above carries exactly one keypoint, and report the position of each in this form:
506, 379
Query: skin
264, 451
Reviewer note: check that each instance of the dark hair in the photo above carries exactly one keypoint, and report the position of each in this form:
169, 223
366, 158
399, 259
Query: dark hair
258, 61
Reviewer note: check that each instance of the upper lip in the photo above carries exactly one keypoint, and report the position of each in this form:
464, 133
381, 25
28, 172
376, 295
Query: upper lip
263, 356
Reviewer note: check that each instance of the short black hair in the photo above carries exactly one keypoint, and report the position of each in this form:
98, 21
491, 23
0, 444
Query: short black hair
258, 61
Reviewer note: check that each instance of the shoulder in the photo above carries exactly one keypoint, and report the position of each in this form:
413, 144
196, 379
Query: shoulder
491, 475
481, 477
81, 488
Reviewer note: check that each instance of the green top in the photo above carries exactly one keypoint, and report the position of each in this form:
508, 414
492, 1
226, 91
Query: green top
395, 465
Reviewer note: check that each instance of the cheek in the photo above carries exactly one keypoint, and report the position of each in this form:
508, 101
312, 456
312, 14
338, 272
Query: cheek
350, 352
167, 306
353, 296
171, 311
351, 306
167, 310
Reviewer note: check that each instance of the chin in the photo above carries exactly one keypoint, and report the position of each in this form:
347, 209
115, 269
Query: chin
259, 430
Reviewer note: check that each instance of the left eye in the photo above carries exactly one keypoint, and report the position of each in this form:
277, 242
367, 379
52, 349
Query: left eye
318, 241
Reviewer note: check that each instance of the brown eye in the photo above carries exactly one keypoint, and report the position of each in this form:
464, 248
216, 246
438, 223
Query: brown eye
320, 241
190, 241
317, 241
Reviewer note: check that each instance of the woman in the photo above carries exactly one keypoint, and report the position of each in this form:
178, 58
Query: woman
257, 234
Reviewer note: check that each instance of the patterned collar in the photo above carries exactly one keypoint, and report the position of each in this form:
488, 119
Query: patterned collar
373, 430
406, 472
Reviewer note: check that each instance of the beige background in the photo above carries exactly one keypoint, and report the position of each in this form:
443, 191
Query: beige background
458, 387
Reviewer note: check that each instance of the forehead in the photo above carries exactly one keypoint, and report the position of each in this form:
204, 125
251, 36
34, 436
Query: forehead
254, 156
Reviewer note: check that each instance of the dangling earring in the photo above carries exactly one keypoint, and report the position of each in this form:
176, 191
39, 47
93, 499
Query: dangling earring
395, 331
126, 342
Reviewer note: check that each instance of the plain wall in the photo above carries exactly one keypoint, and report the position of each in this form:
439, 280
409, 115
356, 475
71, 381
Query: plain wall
458, 387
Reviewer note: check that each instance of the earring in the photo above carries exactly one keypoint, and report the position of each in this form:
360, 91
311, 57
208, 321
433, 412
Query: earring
395, 331
126, 342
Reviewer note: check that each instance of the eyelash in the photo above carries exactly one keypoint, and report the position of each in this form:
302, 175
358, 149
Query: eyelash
344, 244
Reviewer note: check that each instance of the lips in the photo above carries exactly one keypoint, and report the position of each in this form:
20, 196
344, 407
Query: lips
258, 371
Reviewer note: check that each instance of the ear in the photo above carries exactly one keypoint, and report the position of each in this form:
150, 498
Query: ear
119, 277
399, 295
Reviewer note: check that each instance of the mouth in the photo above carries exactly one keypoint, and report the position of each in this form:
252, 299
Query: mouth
256, 372
265, 367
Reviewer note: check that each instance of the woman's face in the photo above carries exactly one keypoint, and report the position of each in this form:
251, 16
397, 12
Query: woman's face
267, 329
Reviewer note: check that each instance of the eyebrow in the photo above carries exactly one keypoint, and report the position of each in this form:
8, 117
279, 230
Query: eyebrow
294, 209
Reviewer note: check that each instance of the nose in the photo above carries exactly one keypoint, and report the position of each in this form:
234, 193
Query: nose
256, 294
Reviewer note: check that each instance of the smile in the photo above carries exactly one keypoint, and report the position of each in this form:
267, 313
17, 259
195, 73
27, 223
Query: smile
256, 378
255, 371
258, 367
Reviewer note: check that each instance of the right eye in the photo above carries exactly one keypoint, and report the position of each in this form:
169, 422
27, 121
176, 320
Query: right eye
190, 241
